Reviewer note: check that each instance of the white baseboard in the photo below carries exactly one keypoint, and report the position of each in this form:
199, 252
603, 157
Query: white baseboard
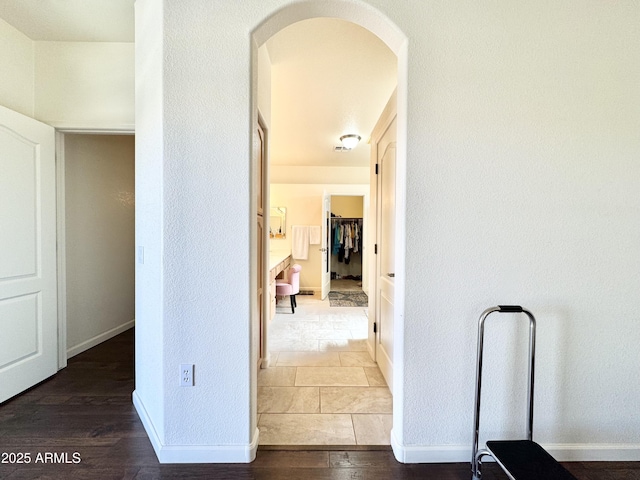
371, 349
98, 339
594, 452
430, 453
315, 290
195, 453
565, 452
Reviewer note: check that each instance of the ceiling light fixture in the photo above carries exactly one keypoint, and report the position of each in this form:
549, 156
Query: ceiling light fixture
350, 141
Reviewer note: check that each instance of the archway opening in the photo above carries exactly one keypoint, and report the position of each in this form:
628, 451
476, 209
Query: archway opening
383, 29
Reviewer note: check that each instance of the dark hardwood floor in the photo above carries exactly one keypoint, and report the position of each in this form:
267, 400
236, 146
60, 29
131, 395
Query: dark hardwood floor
84, 418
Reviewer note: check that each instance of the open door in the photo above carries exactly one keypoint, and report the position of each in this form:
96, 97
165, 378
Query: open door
326, 245
28, 283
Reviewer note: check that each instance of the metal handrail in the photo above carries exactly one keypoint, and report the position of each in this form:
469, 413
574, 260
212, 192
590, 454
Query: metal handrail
476, 458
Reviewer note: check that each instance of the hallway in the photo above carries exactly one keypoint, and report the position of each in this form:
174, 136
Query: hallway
323, 388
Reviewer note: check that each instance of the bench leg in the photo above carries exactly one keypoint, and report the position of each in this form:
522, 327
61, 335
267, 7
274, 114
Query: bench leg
476, 466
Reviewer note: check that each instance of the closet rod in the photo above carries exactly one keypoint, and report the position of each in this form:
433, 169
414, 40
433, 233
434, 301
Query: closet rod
346, 218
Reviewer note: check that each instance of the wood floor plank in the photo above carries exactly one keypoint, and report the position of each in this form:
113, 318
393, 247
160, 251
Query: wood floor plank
45, 443
6, 470
77, 473
292, 459
131, 451
87, 408
360, 459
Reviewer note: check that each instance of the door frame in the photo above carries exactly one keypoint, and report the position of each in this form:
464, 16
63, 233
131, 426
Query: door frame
60, 133
326, 246
384, 121
265, 306
367, 246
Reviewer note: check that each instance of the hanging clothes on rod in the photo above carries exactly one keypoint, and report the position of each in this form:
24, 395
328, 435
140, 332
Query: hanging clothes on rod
337, 238
346, 237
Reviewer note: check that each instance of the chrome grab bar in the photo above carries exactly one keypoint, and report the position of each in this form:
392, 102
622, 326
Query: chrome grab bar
476, 459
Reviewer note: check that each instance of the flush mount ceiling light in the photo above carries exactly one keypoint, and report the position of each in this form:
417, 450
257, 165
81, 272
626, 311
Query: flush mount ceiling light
350, 141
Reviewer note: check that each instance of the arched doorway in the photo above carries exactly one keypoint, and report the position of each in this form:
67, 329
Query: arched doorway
385, 30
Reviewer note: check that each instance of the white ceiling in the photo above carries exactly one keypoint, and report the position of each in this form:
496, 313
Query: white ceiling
329, 76
71, 20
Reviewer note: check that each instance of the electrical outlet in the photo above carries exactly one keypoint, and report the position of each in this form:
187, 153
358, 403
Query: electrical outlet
186, 375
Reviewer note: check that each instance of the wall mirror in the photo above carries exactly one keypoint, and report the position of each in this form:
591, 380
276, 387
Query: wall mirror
278, 222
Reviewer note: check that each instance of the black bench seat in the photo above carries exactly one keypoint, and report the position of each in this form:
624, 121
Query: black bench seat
526, 460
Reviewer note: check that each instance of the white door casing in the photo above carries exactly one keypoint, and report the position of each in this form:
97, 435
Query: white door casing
28, 286
326, 245
261, 154
382, 319
386, 254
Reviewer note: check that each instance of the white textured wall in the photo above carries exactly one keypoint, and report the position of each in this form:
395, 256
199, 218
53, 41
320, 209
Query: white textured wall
522, 176
149, 217
17, 77
319, 175
81, 84
206, 220
99, 224
347, 206
522, 145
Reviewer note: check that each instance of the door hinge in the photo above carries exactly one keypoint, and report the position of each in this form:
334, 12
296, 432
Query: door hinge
375, 327
376, 169
375, 248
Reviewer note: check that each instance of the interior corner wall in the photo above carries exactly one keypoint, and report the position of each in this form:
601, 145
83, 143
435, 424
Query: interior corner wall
85, 84
16, 61
149, 178
68, 84
99, 225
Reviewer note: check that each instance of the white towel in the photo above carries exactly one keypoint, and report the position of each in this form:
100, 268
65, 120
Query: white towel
300, 242
315, 235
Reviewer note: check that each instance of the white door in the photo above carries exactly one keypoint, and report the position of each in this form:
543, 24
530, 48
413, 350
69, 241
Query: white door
326, 245
385, 240
28, 296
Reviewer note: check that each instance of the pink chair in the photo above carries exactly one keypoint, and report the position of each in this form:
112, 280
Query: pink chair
290, 287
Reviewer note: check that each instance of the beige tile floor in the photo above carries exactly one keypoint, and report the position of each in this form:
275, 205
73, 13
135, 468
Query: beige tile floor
345, 284
323, 388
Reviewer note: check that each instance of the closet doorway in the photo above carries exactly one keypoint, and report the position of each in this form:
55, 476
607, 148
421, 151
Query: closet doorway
344, 260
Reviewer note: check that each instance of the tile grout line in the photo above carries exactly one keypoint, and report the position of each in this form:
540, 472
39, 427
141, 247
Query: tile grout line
353, 427
319, 401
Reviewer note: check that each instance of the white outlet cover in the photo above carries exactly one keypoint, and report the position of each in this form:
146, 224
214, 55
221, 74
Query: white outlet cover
186, 375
